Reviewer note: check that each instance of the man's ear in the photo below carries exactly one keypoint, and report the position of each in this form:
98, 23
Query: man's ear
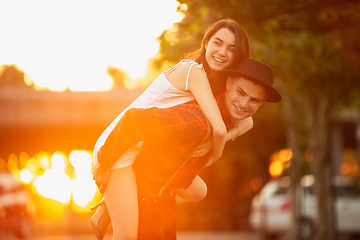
228, 82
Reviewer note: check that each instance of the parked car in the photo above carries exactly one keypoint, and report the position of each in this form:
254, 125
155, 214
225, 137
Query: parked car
14, 217
271, 209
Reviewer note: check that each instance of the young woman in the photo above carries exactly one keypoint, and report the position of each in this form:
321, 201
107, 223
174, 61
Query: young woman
224, 45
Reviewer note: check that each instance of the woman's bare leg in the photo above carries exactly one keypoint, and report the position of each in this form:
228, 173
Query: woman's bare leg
194, 193
122, 203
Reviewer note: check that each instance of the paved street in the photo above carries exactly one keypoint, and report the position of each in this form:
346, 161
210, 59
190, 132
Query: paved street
181, 236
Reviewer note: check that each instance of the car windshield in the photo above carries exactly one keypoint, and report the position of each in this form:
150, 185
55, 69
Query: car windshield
281, 191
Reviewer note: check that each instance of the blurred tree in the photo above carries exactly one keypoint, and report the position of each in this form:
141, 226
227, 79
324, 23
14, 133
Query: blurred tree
118, 76
313, 47
11, 75
314, 52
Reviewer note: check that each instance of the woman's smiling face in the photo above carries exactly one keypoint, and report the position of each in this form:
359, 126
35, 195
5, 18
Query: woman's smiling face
220, 50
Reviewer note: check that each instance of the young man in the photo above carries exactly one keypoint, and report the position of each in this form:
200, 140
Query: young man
171, 136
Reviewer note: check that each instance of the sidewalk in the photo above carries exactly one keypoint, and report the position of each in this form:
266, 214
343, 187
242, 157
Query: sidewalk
181, 236
217, 236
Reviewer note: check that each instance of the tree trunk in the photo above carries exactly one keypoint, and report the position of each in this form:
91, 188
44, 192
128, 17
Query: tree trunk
291, 114
357, 134
319, 144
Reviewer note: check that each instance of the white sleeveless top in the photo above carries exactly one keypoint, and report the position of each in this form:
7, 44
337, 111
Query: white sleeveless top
161, 94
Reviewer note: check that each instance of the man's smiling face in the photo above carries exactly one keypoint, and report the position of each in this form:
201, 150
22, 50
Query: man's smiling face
243, 97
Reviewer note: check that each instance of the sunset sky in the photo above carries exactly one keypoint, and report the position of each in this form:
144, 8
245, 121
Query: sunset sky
70, 43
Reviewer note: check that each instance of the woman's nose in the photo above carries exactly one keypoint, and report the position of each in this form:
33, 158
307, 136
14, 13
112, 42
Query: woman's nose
222, 51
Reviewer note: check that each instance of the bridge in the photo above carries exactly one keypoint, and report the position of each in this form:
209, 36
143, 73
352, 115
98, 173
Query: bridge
33, 120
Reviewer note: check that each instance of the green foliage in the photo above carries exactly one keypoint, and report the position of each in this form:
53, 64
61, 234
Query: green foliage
313, 46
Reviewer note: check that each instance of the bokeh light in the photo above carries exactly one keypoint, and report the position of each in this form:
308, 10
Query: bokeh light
83, 186
349, 165
276, 168
12, 163
67, 180
44, 160
279, 161
26, 176
54, 183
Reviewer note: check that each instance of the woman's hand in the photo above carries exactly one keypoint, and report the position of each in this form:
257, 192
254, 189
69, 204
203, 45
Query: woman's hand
204, 148
210, 161
101, 178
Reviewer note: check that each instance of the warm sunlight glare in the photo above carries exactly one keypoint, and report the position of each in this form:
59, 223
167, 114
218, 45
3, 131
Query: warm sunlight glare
81, 161
69, 44
83, 186
33, 165
26, 176
67, 179
12, 163
44, 160
55, 184
83, 190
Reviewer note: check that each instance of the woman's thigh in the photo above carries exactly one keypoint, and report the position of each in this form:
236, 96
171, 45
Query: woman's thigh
121, 200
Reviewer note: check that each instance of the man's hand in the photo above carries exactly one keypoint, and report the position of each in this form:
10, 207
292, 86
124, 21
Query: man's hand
101, 178
204, 148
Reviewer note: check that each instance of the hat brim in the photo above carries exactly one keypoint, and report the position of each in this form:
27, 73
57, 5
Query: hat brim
273, 94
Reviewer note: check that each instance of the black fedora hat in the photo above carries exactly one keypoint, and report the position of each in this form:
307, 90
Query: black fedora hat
258, 72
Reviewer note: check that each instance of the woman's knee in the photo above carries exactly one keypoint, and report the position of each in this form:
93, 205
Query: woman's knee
200, 194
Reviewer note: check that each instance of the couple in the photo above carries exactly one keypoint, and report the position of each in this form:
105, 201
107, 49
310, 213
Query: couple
150, 151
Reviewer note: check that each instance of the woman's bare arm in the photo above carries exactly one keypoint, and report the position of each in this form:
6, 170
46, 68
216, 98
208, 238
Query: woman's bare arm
200, 88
